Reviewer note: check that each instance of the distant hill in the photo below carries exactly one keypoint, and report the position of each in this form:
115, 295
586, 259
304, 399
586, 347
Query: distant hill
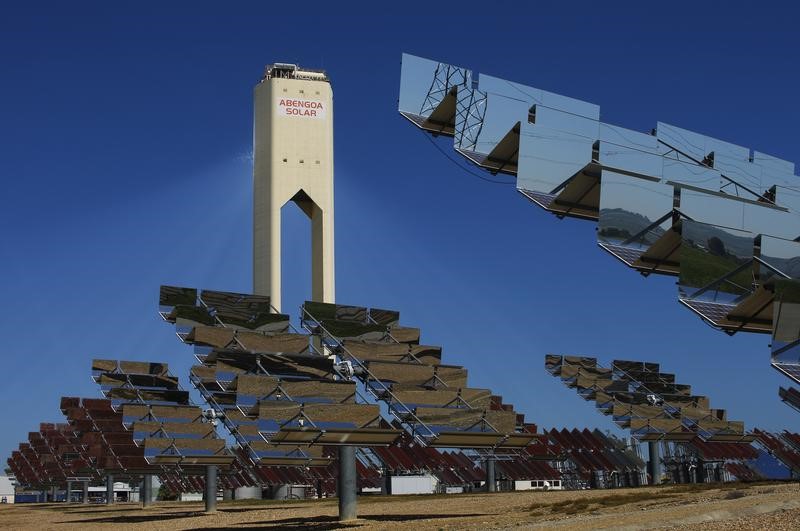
619, 223
701, 233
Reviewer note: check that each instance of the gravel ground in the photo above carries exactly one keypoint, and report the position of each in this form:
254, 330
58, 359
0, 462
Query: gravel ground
764, 506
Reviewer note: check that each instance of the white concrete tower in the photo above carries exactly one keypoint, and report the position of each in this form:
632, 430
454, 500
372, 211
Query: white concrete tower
293, 161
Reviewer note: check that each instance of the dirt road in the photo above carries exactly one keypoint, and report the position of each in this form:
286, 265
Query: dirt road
764, 506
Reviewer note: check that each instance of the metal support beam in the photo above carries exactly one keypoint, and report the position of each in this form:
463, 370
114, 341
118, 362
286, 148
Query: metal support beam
491, 482
109, 489
227, 494
211, 489
147, 490
655, 462
85, 498
68, 494
348, 509
387, 481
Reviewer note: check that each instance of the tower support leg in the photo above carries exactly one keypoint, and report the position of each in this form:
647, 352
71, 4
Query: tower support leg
109, 489
387, 481
491, 482
147, 490
348, 509
655, 461
211, 489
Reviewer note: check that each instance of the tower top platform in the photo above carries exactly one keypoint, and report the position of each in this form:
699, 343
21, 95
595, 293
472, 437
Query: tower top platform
292, 71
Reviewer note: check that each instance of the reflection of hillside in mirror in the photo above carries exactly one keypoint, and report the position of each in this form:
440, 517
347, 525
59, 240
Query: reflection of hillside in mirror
715, 260
786, 329
781, 259
634, 215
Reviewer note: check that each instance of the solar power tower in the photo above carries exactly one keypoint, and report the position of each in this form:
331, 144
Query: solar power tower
647, 402
286, 394
293, 161
721, 217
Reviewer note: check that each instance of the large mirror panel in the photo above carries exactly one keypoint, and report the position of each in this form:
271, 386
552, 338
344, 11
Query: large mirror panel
634, 214
716, 262
428, 92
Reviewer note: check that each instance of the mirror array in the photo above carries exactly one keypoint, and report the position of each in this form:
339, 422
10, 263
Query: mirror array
592, 459
786, 337
783, 446
50, 456
158, 415
285, 395
107, 444
286, 399
646, 401
700, 461
431, 399
720, 217
282, 403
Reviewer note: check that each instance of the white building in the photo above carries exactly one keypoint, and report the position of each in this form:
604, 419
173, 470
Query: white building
539, 484
6, 490
426, 484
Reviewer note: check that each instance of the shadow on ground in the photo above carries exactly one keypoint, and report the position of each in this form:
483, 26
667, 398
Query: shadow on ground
94, 511
137, 519
257, 508
324, 523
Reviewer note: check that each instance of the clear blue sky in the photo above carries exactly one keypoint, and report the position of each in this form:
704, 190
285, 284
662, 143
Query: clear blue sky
125, 140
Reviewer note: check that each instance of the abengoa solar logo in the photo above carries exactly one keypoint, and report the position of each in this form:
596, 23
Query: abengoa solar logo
303, 108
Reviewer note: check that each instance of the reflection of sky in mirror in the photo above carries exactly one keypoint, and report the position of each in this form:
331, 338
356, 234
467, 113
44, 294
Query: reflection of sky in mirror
502, 114
773, 164
648, 198
743, 172
712, 209
627, 137
415, 81
689, 173
697, 145
788, 197
780, 248
548, 157
771, 221
623, 158
532, 95
565, 121
737, 242
773, 177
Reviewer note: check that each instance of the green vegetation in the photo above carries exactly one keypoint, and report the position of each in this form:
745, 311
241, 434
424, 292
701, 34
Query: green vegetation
164, 494
699, 269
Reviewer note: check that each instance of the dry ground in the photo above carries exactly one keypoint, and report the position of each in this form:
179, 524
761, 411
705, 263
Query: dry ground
773, 506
